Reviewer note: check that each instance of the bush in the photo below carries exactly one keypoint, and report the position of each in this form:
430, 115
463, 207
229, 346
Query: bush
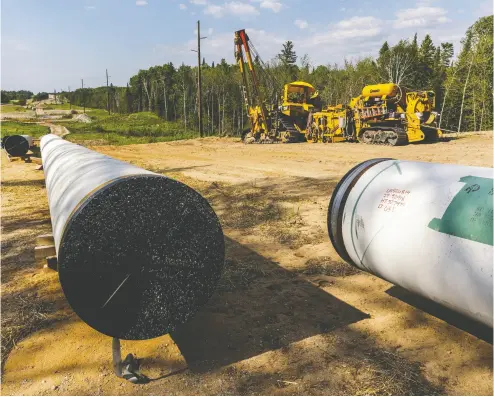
40, 96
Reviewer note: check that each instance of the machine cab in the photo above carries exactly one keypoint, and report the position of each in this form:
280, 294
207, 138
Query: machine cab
299, 97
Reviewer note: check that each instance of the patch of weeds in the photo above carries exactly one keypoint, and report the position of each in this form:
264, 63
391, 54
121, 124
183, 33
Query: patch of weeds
21, 315
324, 265
238, 274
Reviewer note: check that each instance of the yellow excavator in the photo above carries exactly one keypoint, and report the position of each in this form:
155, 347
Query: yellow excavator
281, 119
384, 114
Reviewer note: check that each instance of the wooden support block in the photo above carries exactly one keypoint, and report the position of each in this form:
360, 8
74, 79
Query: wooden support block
52, 263
36, 160
44, 239
44, 251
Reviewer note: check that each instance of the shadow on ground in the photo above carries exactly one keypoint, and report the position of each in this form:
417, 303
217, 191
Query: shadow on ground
458, 320
259, 306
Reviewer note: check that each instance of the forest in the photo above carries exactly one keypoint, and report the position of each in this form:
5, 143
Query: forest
463, 83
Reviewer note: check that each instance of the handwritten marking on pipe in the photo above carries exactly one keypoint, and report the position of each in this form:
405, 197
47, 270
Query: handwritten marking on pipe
470, 214
394, 163
393, 199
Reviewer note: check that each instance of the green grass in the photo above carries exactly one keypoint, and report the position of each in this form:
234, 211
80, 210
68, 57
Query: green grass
12, 108
16, 128
62, 106
117, 129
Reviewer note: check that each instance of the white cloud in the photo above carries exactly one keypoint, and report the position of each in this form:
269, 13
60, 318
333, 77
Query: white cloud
239, 8
233, 7
199, 2
214, 10
351, 38
90, 7
267, 43
141, 3
302, 24
355, 27
182, 6
272, 5
343, 9
421, 16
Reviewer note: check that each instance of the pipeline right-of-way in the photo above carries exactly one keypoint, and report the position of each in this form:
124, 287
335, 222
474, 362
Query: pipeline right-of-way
423, 226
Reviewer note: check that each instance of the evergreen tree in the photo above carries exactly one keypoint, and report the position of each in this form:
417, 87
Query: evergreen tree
446, 54
384, 50
415, 47
427, 51
287, 56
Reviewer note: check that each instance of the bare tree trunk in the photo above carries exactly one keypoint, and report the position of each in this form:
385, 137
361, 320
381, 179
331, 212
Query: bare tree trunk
482, 114
212, 113
446, 95
464, 91
164, 99
474, 113
185, 104
147, 94
223, 121
116, 99
207, 107
219, 114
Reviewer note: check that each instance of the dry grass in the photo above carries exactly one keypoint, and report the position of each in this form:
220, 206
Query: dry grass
249, 207
239, 274
25, 315
324, 265
386, 373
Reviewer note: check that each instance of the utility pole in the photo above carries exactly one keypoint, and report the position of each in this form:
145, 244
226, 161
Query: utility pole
107, 93
55, 93
83, 96
199, 81
70, 100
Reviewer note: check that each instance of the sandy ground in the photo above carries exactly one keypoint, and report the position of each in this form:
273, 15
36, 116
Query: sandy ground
288, 316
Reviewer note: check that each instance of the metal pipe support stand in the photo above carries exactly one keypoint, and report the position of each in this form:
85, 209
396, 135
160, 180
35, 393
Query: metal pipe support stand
127, 369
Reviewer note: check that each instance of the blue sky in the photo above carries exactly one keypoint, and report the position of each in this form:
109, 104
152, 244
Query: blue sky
52, 44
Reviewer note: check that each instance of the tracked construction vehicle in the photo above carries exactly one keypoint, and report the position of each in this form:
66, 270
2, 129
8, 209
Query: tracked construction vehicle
389, 114
384, 114
273, 118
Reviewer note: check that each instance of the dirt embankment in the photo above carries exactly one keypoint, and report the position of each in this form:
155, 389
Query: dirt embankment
289, 317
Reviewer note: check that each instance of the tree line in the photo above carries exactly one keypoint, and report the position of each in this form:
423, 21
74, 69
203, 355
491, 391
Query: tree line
463, 84
20, 96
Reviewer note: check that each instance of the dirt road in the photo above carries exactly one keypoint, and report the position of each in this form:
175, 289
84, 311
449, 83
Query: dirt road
288, 317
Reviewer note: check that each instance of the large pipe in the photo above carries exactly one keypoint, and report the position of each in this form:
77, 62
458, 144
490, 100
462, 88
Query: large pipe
138, 253
426, 227
18, 145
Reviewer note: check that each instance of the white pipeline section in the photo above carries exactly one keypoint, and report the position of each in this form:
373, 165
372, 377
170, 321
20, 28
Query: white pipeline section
18, 145
426, 227
138, 253
72, 172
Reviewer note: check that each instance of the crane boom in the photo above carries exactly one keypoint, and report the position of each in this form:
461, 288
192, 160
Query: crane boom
242, 46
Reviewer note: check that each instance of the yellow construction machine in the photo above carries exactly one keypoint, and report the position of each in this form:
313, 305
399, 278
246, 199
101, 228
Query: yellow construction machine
331, 124
279, 119
389, 114
384, 114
